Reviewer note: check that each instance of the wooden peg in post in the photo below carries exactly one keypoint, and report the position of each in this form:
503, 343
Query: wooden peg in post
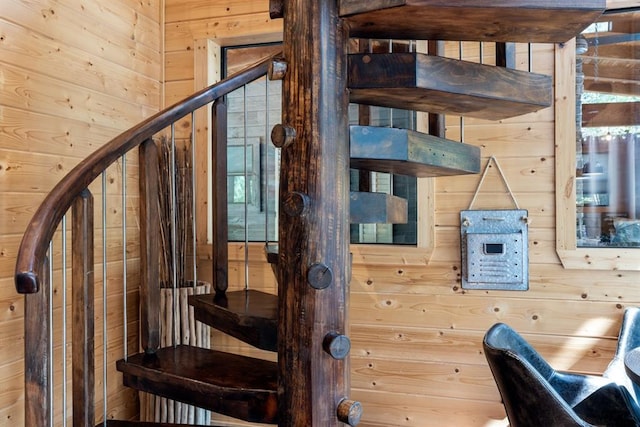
277, 69
281, 135
349, 412
337, 345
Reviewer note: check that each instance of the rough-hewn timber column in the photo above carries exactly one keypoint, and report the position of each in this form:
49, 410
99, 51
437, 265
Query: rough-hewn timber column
314, 219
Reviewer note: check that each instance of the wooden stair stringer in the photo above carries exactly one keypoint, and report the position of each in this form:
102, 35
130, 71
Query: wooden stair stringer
238, 386
526, 21
415, 81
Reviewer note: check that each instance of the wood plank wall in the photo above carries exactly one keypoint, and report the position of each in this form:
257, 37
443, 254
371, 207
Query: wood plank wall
73, 75
417, 357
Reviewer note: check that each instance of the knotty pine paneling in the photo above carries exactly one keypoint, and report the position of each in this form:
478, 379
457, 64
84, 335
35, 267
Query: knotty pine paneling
85, 28
28, 131
75, 66
75, 74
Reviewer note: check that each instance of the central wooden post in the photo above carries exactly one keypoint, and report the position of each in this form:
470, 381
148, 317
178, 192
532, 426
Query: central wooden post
314, 259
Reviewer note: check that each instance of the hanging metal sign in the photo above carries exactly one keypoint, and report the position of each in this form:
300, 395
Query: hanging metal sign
494, 245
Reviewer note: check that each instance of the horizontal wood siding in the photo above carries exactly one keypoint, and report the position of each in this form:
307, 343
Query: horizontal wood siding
74, 74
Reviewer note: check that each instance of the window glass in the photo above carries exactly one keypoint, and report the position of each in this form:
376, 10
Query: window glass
608, 132
253, 162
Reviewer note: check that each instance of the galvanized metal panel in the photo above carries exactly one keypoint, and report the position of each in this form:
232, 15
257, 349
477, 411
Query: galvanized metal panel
495, 253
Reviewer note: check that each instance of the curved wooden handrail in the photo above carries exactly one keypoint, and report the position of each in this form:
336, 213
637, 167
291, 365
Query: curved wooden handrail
40, 230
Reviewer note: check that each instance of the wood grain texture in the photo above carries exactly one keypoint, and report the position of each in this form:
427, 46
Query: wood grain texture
219, 197
315, 104
513, 21
376, 208
83, 352
150, 247
230, 384
442, 85
408, 152
247, 315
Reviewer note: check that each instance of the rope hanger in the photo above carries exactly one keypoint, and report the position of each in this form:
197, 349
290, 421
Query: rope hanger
484, 175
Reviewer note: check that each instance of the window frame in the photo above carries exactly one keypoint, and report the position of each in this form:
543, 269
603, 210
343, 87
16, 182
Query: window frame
207, 70
572, 256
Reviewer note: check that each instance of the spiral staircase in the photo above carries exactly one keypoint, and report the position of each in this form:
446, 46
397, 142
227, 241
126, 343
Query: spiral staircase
307, 322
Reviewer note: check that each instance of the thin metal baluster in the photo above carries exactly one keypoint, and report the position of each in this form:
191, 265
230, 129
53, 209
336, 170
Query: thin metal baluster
481, 52
104, 297
124, 255
193, 199
266, 163
174, 260
412, 114
530, 47
390, 109
64, 320
461, 54
51, 379
246, 196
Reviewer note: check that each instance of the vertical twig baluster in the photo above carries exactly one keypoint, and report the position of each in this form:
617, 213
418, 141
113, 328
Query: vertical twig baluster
37, 355
83, 353
219, 197
149, 251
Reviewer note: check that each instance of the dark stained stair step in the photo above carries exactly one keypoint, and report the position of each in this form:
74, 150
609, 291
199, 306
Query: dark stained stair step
377, 208
238, 386
271, 251
529, 21
414, 81
406, 152
251, 316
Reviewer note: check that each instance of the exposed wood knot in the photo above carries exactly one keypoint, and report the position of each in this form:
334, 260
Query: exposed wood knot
349, 412
336, 345
277, 69
281, 135
319, 276
296, 204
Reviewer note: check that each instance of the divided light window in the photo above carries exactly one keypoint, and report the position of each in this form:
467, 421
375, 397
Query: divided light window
253, 162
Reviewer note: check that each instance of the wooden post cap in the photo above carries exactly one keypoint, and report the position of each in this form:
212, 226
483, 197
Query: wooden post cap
337, 345
277, 69
319, 276
276, 9
281, 135
349, 412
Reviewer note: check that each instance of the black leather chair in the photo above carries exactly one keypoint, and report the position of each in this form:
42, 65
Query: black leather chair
536, 395
628, 339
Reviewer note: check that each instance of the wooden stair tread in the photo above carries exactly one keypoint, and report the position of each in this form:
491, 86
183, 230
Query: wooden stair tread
440, 85
528, 21
251, 316
239, 386
407, 152
271, 251
377, 208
